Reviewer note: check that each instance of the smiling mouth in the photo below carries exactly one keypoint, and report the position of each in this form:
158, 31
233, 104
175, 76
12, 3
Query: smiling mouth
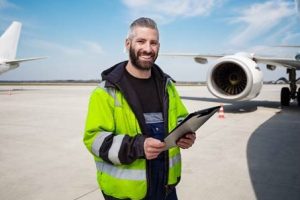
146, 57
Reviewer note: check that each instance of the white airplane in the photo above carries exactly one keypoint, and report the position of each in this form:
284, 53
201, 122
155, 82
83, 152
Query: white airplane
8, 48
238, 77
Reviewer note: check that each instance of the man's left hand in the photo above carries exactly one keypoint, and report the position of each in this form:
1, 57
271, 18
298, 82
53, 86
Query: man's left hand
186, 141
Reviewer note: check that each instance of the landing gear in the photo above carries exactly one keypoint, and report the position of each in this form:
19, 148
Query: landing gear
285, 96
298, 97
290, 93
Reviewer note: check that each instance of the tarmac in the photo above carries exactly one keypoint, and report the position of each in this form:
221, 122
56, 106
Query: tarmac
250, 154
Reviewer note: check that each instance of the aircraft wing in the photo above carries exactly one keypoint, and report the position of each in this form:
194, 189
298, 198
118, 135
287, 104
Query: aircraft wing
284, 62
202, 59
17, 61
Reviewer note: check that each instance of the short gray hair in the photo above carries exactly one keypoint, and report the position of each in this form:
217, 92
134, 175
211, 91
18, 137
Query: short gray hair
142, 22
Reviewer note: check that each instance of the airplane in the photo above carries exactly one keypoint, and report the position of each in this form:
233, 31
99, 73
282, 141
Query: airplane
237, 77
8, 48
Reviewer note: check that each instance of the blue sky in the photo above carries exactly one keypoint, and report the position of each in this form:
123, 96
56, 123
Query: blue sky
82, 38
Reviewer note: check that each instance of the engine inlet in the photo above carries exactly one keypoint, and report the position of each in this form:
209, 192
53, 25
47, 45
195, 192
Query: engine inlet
230, 78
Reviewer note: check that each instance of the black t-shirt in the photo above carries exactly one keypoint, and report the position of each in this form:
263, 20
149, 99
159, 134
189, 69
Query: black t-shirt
147, 92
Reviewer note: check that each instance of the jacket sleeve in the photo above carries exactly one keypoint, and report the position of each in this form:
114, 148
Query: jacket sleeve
100, 138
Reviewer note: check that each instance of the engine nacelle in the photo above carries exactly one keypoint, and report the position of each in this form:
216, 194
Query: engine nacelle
297, 57
235, 77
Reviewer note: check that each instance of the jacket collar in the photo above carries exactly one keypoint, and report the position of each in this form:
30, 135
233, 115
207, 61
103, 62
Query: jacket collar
115, 74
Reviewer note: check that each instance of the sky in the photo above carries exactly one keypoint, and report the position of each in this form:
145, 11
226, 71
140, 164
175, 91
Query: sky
83, 38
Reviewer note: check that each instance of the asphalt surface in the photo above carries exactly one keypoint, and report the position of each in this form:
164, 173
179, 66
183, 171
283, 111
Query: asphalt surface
252, 153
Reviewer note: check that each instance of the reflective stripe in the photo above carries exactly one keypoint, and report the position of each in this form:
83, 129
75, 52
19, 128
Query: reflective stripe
113, 153
111, 91
102, 84
153, 118
174, 160
98, 142
129, 174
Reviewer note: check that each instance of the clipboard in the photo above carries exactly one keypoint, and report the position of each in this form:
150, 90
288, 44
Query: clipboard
190, 124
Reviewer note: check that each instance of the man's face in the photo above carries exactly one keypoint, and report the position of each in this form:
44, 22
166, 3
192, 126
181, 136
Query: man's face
143, 48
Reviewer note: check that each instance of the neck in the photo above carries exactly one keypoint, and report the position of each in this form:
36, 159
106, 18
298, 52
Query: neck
142, 74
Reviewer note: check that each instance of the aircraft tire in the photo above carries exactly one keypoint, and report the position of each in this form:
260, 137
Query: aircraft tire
285, 96
298, 97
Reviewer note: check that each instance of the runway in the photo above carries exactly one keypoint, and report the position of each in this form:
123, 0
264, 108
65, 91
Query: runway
251, 154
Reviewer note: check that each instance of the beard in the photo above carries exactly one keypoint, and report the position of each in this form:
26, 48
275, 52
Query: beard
139, 64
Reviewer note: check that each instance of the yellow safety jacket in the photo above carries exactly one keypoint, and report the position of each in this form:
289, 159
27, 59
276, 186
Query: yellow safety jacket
115, 133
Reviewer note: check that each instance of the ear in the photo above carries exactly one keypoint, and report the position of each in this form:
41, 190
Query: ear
127, 44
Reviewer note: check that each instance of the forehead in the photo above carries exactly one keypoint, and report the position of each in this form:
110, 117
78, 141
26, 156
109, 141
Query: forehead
145, 33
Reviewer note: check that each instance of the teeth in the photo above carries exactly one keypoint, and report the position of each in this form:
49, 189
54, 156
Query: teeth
146, 57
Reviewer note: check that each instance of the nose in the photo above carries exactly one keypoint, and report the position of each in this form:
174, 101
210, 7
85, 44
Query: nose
147, 47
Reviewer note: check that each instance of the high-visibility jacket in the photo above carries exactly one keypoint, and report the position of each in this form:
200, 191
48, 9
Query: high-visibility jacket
115, 132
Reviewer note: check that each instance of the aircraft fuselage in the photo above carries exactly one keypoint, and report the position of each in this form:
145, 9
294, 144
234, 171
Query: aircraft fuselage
6, 67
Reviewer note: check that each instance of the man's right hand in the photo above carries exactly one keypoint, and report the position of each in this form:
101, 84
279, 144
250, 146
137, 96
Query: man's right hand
153, 148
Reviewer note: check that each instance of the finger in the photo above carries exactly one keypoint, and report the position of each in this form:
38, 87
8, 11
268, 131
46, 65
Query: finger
154, 143
156, 150
185, 143
158, 144
191, 136
183, 146
151, 156
153, 150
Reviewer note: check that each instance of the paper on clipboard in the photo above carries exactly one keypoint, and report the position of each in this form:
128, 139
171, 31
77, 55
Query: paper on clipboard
190, 124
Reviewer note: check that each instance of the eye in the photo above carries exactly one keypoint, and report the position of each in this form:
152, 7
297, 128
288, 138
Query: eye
154, 43
140, 41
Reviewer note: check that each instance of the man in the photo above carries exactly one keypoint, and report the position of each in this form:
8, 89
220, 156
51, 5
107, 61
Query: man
135, 106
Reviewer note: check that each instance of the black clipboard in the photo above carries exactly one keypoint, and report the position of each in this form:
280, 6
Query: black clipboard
190, 124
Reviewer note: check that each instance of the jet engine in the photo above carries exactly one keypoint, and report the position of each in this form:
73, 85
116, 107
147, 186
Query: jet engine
297, 57
235, 77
